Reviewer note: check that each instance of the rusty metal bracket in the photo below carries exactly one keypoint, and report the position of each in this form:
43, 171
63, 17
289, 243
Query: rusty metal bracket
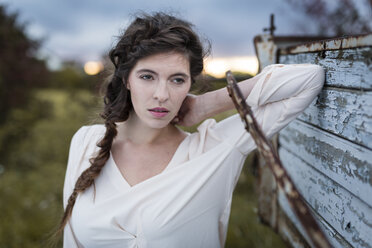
272, 27
267, 151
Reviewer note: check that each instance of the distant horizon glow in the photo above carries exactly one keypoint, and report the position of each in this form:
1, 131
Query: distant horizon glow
218, 66
215, 67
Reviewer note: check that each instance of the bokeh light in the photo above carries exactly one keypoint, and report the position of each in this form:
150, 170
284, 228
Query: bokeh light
93, 67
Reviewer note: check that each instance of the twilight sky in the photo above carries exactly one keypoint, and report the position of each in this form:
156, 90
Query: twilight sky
84, 30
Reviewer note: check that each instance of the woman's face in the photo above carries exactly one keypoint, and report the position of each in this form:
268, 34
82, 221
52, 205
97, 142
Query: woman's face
158, 85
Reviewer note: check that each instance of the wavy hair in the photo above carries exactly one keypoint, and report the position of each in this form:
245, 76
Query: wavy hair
145, 36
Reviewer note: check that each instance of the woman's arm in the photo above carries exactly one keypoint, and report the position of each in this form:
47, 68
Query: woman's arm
214, 102
281, 93
288, 81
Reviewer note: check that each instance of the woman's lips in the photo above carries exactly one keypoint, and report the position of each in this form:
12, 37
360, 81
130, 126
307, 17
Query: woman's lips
159, 112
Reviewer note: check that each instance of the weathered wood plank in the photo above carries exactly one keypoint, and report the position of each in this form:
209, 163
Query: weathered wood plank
349, 68
346, 113
346, 163
329, 44
349, 216
334, 237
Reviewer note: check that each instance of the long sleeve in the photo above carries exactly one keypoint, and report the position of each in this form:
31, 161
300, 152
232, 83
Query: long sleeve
281, 93
75, 153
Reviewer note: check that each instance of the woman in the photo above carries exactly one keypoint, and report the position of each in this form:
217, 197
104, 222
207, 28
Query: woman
138, 180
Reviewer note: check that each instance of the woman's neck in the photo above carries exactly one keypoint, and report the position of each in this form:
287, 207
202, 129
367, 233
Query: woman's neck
137, 132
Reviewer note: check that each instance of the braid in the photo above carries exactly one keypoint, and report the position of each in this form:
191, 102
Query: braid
87, 177
117, 107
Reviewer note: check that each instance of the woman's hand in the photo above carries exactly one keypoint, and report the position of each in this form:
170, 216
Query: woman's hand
195, 109
190, 113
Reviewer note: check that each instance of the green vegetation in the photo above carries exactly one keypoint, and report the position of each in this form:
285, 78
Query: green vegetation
31, 180
245, 228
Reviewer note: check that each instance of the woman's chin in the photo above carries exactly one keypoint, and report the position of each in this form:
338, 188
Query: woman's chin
158, 124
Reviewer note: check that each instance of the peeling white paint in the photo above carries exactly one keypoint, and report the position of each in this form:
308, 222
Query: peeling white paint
345, 113
349, 216
346, 163
334, 237
349, 68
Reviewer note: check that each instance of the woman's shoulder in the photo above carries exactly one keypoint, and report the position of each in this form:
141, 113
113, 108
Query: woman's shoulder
88, 133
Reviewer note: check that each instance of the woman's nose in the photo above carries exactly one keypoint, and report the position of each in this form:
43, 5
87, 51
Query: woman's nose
161, 92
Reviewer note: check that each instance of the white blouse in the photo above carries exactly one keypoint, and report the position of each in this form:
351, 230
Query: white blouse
188, 203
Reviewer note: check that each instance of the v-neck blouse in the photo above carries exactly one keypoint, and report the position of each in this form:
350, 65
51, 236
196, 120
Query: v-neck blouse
124, 183
188, 203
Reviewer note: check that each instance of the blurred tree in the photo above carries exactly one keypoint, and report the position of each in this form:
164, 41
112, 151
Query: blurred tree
20, 69
21, 72
336, 18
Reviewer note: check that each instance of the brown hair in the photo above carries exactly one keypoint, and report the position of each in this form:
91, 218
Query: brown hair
146, 35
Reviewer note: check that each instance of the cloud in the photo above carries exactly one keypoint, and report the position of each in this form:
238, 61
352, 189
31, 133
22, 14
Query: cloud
84, 29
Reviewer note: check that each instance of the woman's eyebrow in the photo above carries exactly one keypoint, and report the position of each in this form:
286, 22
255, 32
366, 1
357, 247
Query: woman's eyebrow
180, 74
146, 70
153, 72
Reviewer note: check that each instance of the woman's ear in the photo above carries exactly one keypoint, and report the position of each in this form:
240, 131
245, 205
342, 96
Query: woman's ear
126, 84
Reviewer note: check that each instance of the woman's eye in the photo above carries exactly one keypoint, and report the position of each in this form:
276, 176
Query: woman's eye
146, 77
178, 80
